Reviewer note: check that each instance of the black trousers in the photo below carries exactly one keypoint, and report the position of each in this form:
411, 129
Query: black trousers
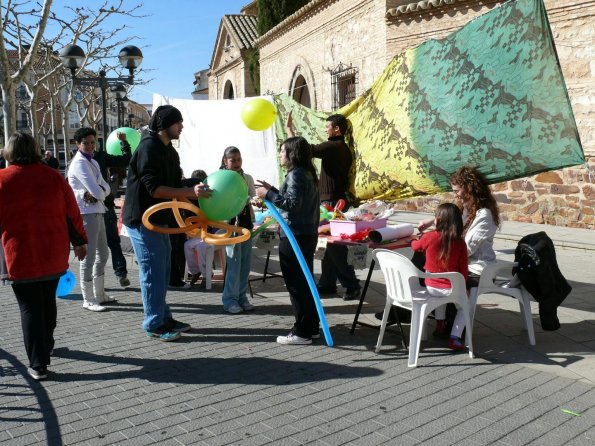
178, 258
334, 265
304, 308
37, 302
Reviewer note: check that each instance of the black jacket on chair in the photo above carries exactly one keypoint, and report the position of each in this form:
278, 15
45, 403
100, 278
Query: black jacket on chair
539, 273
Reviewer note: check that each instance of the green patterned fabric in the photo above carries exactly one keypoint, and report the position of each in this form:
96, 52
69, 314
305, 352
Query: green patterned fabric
489, 95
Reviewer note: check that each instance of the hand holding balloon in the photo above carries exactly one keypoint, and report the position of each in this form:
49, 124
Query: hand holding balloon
132, 136
202, 190
222, 196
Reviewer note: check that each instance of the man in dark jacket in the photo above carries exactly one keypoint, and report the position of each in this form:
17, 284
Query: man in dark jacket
154, 176
106, 161
333, 184
50, 160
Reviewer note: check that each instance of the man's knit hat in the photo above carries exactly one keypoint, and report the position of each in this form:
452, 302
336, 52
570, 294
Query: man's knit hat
164, 117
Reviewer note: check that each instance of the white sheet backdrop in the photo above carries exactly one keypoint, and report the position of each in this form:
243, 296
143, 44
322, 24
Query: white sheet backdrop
211, 126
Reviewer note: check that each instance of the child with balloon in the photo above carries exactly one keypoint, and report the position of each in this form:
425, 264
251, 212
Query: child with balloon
299, 198
238, 256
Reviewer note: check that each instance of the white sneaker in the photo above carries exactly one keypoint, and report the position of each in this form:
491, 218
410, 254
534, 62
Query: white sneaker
93, 307
292, 339
234, 309
107, 300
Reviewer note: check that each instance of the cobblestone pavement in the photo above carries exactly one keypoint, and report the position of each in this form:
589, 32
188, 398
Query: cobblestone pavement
228, 382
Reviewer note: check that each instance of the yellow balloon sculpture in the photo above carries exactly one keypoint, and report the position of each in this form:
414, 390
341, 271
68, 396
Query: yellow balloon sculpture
196, 225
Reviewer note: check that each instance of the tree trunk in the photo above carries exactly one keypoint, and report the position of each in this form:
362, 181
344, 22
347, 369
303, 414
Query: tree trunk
9, 108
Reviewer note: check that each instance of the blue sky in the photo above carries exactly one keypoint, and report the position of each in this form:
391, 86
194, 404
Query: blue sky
177, 39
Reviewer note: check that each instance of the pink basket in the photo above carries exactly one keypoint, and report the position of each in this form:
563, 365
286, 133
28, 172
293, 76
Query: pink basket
339, 227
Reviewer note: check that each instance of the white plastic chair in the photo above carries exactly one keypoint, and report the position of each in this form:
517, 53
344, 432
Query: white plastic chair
403, 290
206, 252
487, 284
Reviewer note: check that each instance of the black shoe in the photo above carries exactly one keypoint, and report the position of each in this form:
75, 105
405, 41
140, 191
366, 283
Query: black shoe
404, 316
323, 290
194, 278
177, 284
352, 294
391, 317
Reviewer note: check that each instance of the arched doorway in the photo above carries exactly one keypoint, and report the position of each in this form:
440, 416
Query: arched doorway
301, 92
228, 90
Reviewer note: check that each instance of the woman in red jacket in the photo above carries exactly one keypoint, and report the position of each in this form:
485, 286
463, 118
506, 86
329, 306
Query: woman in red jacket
38, 218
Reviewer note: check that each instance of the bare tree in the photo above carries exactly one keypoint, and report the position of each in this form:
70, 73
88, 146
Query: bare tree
34, 61
18, 37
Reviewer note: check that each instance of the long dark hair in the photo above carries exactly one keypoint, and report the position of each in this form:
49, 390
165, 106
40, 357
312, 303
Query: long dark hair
478, 193
299, 154
227, 153
449, 223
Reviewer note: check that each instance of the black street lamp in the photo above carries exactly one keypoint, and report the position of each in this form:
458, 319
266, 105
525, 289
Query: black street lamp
121, 101
130, 57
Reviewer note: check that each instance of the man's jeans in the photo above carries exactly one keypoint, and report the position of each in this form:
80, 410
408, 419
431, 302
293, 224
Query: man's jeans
113, 241
152, 252
237, 272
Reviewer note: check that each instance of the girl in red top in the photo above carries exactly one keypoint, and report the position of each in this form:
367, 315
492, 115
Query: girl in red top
446, 251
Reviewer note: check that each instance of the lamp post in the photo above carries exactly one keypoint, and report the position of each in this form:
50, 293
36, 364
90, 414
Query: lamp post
121, 101
130, 57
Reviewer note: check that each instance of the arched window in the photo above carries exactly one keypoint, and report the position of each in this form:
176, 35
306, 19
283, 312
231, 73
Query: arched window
228, 90
301, 92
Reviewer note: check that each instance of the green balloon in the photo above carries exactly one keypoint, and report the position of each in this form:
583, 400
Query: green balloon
228, 198
113, 143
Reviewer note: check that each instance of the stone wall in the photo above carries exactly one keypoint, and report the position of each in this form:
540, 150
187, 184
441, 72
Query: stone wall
565, 197
331, 32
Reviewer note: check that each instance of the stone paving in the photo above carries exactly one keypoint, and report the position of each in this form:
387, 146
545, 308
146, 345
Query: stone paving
228, 382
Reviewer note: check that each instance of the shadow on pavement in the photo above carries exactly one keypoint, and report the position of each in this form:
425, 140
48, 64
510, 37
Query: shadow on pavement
13, 414
240, 370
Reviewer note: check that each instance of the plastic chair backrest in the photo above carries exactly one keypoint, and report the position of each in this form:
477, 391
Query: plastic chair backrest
401, 276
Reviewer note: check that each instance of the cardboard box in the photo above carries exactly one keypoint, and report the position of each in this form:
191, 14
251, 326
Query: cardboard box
339, 227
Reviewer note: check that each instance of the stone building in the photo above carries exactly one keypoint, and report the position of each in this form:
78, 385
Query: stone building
230, 75
330, 51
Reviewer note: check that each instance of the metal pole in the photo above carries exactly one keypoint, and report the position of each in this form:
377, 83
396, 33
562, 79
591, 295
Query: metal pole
103, 86
120, 113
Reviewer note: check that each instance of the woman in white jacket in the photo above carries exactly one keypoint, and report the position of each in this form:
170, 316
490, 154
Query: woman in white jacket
481, 219
90, 189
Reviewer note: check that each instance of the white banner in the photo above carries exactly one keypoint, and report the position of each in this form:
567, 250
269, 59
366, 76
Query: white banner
211, 126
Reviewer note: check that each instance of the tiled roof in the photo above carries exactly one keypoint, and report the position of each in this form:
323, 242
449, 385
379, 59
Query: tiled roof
243, 28
13, 59
419, 6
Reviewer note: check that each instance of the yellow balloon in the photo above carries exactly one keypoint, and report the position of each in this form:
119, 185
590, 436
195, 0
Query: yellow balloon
258, 114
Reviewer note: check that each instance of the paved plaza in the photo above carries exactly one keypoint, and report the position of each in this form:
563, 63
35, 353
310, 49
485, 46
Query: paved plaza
227, 382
